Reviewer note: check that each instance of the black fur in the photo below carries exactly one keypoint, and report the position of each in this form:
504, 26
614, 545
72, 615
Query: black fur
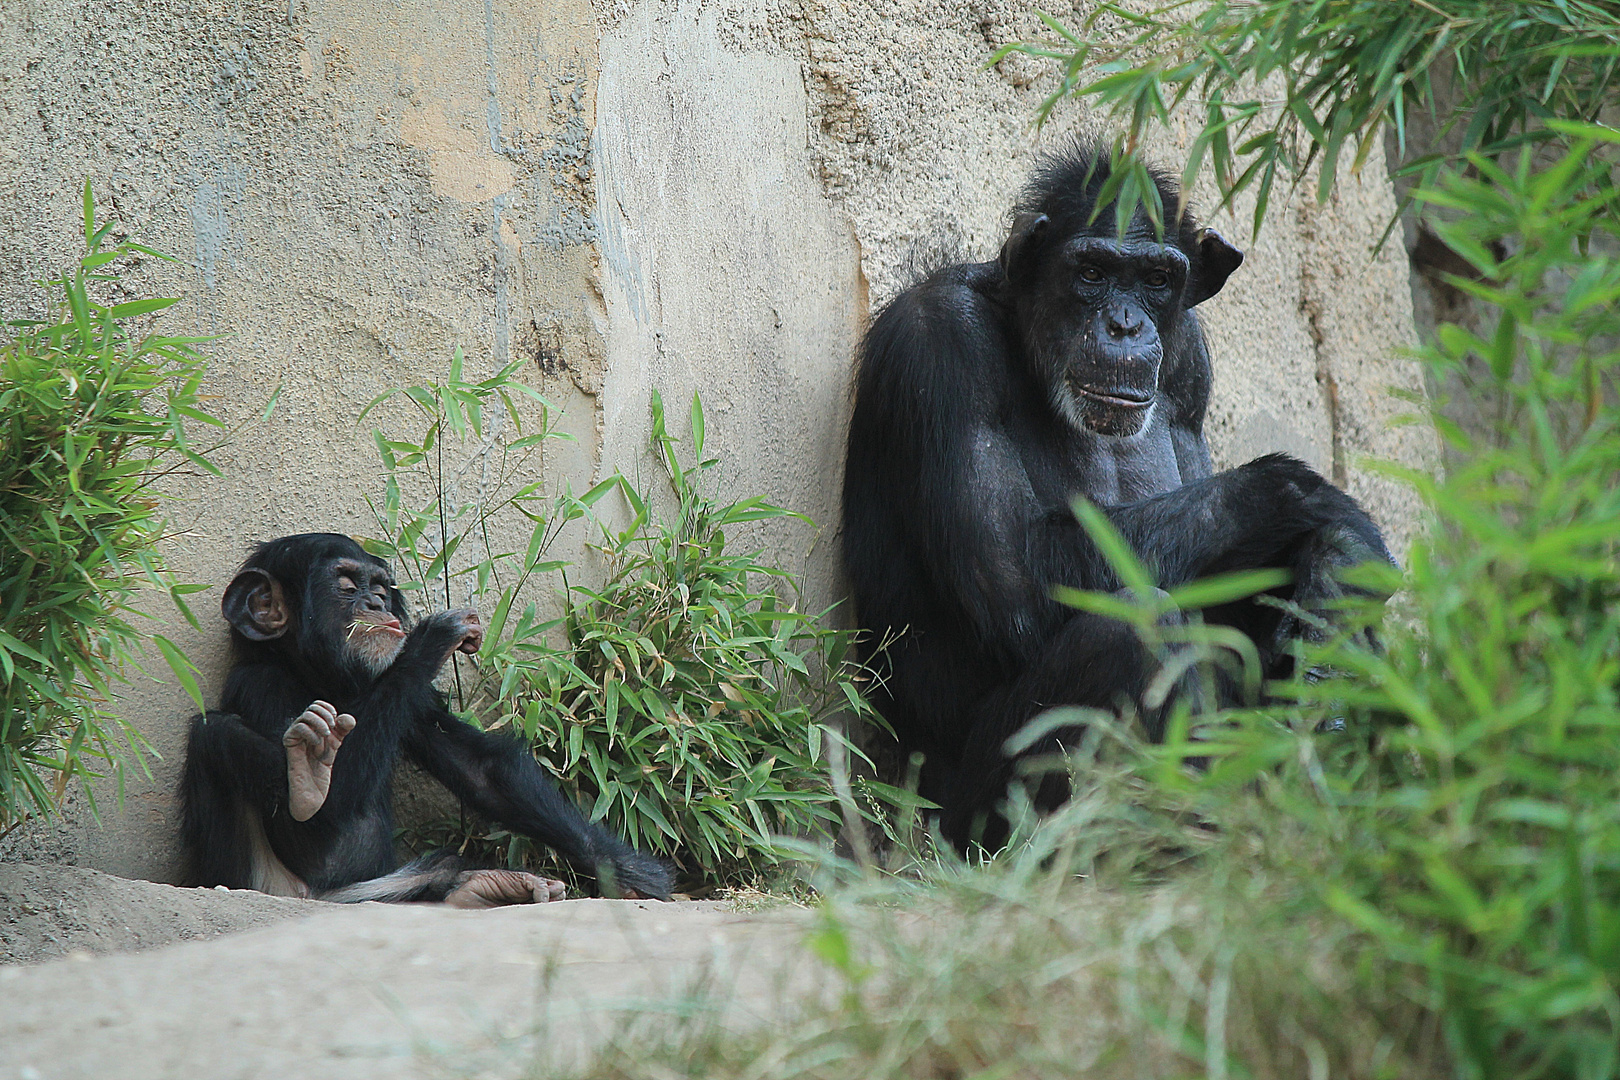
235, 788
989, 397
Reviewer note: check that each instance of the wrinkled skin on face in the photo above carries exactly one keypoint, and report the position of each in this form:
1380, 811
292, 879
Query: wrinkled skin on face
1096, 312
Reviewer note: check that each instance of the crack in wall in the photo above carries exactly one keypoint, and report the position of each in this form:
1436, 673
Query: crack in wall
1325, 381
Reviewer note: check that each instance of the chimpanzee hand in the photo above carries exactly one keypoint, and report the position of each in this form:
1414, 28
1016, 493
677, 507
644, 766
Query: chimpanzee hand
497, 888
438, 637
472, 630
1318, 585
312, 743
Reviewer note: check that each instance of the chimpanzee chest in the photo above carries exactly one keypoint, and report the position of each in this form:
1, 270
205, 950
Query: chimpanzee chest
1066, 464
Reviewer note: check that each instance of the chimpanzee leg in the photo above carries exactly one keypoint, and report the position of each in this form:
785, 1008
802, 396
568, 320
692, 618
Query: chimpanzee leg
1093, 662
443, 877
498, 777
231, 772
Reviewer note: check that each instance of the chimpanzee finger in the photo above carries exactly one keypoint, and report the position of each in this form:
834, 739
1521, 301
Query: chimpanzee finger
472, 632
542, 890
343, 723
300, 731
303, 735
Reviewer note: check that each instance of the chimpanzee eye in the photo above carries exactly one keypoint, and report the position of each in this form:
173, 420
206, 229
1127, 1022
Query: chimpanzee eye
1090, 274
346, 584
1158, 279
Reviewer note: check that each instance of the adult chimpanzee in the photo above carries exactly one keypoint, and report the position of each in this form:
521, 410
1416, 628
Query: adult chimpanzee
287, 788
990, 396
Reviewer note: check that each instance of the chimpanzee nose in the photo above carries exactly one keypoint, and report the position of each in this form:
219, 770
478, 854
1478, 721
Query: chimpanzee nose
1123, 323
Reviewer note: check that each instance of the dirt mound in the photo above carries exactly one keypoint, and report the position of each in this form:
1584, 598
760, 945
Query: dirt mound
360, 991
48, 912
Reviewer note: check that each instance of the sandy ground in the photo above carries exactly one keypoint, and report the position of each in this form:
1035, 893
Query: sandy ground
48, 912
299, 988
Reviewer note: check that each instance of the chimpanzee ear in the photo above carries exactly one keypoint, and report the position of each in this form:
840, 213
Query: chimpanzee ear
1026, 228
1216, 261
255, 606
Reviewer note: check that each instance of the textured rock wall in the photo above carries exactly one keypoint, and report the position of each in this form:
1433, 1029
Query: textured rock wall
628, 195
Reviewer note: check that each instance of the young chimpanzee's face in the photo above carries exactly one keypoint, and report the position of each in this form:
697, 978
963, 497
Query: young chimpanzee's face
318, 600
362, 597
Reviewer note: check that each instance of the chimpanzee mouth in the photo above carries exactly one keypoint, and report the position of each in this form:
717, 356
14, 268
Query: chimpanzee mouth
374, 640
385, 625
1115, 398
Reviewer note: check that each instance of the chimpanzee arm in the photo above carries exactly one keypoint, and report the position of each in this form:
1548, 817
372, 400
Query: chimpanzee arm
1186, 387
498, 777
402, 697
1257, 515
937, 505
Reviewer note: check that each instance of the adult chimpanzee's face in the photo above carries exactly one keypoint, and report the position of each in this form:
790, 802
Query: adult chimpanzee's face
1100, 313
362, 600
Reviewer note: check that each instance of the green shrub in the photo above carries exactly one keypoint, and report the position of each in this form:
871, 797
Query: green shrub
92, 418
690, 706
1475, 799
1287, 84
682, 701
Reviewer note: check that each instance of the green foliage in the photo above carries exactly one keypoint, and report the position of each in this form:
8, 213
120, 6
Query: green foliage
1478, 795
92, 418
1285, 84
682, 702
1464, 828
690, 706
436, 518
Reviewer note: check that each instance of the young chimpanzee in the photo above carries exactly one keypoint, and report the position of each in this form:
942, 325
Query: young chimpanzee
990, 397
287, 788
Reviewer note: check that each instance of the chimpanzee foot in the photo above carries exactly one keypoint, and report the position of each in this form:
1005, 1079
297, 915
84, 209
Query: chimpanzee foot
497, 888
312, 743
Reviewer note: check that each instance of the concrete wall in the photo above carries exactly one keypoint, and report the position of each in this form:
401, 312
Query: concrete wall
629, 195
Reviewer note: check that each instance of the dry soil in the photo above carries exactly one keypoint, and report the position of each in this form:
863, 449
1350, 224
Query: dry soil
103, 977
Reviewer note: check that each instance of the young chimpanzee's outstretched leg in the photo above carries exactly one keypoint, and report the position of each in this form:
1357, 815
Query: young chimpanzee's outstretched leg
444, 877
498, 777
